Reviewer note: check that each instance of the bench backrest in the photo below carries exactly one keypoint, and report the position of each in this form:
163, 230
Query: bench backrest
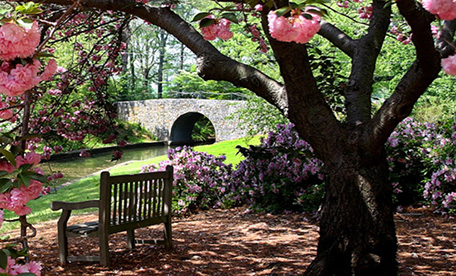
134, 201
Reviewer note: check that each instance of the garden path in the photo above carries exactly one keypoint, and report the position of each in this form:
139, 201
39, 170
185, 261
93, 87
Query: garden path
235, 242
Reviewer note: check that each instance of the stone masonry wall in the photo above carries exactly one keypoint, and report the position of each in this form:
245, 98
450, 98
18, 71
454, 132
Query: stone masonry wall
158, 116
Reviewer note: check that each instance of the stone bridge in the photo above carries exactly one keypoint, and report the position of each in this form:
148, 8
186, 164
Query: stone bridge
172, 120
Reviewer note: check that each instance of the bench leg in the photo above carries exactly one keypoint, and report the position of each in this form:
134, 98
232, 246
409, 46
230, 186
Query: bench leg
63, 247
130, 239
62, 238
168, 234
104, 249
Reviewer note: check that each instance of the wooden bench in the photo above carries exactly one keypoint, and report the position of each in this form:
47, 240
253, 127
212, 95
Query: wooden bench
127, 202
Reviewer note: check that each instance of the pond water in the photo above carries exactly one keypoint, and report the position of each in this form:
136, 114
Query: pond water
77, 167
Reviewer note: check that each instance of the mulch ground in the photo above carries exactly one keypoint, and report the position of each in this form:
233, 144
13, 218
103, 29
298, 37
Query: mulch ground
232, 242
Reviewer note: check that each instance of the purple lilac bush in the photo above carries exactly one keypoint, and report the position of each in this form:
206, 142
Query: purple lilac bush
422, 164
281, 174
200, 179
406, 162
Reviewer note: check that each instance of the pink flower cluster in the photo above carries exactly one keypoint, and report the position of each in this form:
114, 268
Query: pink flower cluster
14, 268
15, 80
5, 112
449, 65
401, 36
444, 9
16, 199
295, 28
263, 47
17, 42
365, 12
220, 28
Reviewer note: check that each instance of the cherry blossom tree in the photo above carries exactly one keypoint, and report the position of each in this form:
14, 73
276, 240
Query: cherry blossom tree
357, 232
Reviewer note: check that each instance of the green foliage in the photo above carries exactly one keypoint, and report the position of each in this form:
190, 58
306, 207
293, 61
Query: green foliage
203, 130
133, 132
191, 85
125, 131
327, 72
125, 88
259, 116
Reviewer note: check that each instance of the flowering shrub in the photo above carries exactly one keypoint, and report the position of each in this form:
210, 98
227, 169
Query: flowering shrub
200, 179
440, 175
281, 174
422, 166
405, 159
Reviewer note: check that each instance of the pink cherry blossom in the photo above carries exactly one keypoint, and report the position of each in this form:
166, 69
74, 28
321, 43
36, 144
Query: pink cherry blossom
345, 4
16, 41
445, 9
49, 70
33, 190
449, 65
365, 12
6, 166
220, 28
295, 28
209, 32
19, 79
258, 7
30, 158
1, 218
5, 200
6, 113
15, 81
223, 29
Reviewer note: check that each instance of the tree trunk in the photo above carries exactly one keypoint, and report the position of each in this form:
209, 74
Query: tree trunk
357, 232
162, 37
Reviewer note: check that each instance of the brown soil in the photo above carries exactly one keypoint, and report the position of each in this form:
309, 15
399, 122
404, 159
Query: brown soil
232, 242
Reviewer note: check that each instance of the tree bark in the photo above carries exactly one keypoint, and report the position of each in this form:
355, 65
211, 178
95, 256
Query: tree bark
357, 232
162, 37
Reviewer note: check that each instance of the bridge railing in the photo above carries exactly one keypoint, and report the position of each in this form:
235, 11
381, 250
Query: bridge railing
205, 95
189, 95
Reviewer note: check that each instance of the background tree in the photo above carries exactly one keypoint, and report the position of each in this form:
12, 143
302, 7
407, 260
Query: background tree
357, 234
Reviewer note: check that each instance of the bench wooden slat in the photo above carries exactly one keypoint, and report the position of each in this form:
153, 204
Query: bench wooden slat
127, 202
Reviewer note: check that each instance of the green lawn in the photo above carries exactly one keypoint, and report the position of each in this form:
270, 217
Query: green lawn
88, 188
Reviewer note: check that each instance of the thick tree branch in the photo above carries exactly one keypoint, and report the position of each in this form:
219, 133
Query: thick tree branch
308, 109
340, 39
211, 63
359, 87
415, 82
445, 43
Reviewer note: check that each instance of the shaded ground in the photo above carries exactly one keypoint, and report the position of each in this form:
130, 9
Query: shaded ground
230, 242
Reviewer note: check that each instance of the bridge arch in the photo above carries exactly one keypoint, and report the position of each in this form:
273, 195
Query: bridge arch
182, 128
168, 119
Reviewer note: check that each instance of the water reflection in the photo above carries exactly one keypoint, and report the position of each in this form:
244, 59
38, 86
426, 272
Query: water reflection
77, 167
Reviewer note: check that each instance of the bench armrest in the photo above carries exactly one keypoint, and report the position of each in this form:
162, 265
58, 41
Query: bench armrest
57, 205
